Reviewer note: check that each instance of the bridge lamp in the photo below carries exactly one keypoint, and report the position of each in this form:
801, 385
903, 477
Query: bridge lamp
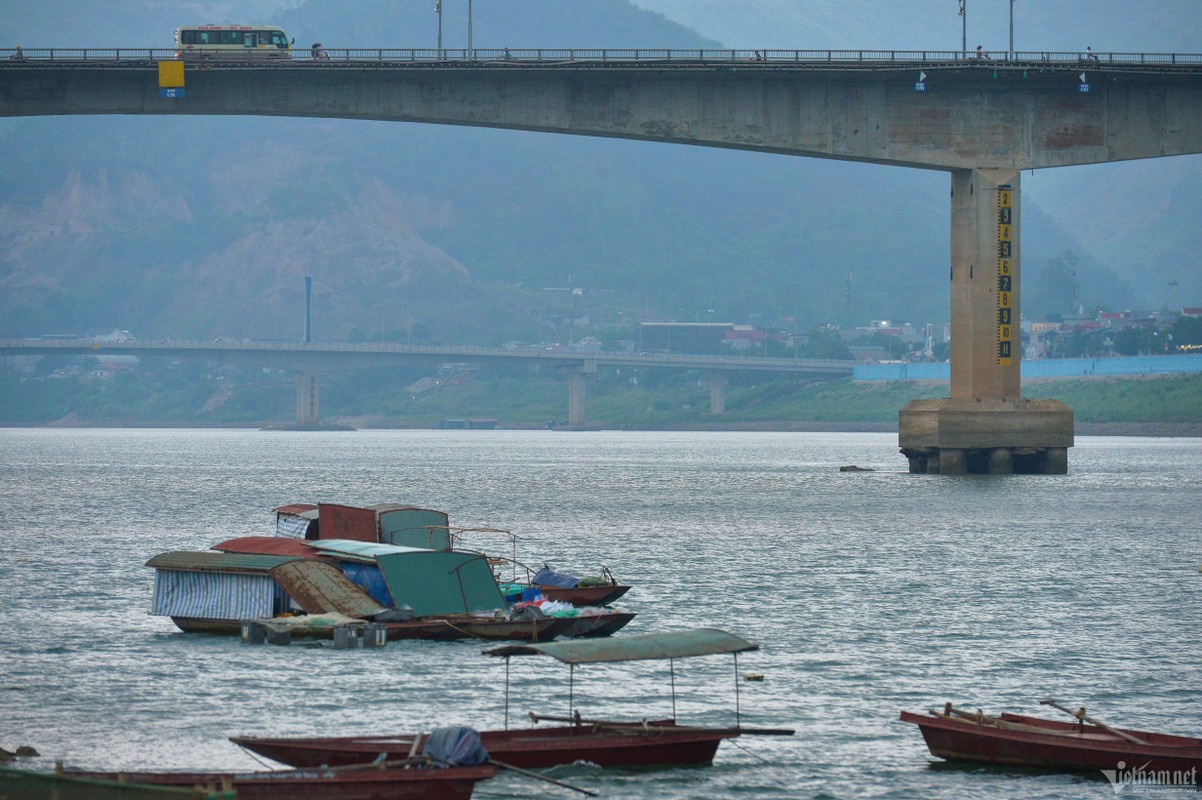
963, 29
1011, 30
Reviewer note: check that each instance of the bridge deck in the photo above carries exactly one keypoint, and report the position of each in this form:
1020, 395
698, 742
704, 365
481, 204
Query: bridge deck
551, 58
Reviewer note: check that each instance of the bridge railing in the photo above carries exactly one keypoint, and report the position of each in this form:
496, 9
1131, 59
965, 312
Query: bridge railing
553, 56
541, 352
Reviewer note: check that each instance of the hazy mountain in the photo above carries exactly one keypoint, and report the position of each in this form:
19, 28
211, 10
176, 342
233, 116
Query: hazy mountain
206, 226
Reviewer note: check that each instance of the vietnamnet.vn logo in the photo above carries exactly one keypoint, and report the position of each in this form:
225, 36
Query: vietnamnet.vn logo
1141, 780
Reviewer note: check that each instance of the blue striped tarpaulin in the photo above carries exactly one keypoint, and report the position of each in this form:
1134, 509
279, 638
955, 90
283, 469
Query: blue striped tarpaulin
216, 595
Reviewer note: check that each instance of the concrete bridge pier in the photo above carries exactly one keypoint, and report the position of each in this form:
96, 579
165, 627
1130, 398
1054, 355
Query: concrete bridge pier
985, 426
306, 399
717, 391
578, 391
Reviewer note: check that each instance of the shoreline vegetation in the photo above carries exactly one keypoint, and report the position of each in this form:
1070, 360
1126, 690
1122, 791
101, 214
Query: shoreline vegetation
1158, 406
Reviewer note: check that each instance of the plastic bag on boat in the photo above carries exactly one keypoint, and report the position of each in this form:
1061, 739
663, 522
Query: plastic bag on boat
394, 615
455, 747
549, 577
526, 611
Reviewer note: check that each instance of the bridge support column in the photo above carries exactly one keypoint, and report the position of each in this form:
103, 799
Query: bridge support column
717, 391
306, 398
986, 411
578, 391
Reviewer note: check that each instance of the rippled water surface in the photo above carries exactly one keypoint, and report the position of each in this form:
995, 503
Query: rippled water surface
869, 593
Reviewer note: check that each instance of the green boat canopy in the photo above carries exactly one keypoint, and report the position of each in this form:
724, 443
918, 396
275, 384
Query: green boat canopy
675, 644
433, 582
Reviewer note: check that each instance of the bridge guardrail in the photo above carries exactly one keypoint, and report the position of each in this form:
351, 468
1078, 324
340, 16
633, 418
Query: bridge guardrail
605, 56
158, 346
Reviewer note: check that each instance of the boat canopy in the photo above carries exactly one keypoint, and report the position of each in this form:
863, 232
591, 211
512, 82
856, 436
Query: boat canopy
363, 551
675, 644
433, 582
388, 523
267, 546
208, 561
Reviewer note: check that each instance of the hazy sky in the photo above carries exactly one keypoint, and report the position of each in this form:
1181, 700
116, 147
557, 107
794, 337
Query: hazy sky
1062, 25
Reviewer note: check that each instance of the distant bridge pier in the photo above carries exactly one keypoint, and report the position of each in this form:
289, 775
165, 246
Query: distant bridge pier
306, 399
717, 391
577, 375
985, 426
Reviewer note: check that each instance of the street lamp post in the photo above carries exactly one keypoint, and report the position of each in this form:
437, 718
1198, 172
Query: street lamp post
438, 9
963, 29
469, 26
1011, 30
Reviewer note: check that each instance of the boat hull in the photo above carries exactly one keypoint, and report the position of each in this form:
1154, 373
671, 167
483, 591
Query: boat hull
1055, 745
656, 744
585, 595
452, 783
587, 625
443, 629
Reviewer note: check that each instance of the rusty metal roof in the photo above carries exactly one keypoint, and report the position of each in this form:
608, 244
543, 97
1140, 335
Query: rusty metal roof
676, 644
295, 508
208, 561
268, 546
320, 588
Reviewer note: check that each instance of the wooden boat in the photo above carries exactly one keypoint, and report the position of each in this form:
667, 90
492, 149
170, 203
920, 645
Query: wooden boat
1083, 745
447, 628
586, 625
31, 785
606, 743
597, 595
392, 781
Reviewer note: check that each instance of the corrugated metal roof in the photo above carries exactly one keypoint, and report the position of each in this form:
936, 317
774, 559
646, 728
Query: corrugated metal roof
364, 550
320, 588
295, 508
268, 545
676, 644
208, 561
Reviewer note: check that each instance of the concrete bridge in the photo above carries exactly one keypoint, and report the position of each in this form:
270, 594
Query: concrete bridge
982, 121
310, 360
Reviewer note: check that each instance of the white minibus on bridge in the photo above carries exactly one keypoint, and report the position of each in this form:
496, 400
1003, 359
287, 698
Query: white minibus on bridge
231, 41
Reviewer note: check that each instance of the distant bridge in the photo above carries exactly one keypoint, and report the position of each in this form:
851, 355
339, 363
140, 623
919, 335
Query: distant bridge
981, 120
309, 360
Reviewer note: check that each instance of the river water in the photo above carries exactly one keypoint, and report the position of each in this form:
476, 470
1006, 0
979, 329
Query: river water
869, 593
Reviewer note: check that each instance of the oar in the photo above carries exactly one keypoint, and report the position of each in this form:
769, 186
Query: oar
1080, 714
536, 776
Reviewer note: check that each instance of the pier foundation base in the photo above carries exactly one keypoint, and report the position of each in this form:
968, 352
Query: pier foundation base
986, 436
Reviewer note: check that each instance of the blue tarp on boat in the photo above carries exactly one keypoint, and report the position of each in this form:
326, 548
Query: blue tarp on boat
459, 746
369, 577
549, 577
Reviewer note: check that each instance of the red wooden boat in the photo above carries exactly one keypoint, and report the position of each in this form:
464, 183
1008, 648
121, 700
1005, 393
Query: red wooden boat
601, 595
603, 742
606, 744
1083, 745
389, 782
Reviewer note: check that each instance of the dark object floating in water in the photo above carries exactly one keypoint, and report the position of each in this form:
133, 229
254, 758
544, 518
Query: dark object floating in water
854, 468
